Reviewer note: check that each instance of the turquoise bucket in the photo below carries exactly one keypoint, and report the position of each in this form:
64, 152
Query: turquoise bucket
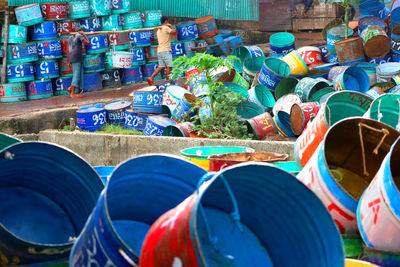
249, 110
111, 23
307, 86
28, 15
251, 66
281, 43
120, 6
133, 20
16, 34
12, 92
243, 53
262, 97
234, 87
151, 18
100, 7
78, 9
386, 109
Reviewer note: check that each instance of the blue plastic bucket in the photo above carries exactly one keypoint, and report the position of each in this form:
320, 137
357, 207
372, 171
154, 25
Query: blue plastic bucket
133, 20
115, 112
99, 44
12, 92
61, 85
112, 23
46, 69
156, 124
92, 82
91, 119
150, 99
364, 22
92, 24
49, 49
354, 79
100, 7
93, 63
281, 43
28, 15
138, 192
187, 30
21, 53
20, 72
120, 6
184, 105
272, 72
151, 18
39, 89
131, 75
111, 78
335, 34
16, 34
104, 172
282, 123
135, 120
46, 209
218, 223
43, 31
140, 39
394, 18
177, 50
78, 9
138, 56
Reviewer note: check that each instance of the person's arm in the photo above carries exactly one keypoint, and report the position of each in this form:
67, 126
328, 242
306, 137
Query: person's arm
85, 39
171, 30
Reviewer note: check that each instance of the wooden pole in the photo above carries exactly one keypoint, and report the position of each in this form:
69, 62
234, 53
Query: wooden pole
123, 31
4, 68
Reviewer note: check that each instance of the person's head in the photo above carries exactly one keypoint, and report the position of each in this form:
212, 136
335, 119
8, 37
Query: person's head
164, 19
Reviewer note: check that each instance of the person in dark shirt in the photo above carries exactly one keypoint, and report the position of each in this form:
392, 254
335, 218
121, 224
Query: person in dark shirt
307, 5
75, 60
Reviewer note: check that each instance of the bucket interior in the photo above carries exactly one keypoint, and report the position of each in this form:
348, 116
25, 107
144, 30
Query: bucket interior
265, 96
356, 79
389, 106
47, 193
269, 236
344, 156
278, 66
142, 189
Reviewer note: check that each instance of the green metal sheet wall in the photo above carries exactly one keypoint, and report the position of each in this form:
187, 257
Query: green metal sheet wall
220, 9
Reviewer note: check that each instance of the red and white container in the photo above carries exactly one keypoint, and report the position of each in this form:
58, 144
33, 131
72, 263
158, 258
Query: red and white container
66, 27
310, 54
55, 11
122, 59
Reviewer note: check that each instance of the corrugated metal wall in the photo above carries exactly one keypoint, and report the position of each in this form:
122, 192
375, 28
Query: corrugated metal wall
220, 9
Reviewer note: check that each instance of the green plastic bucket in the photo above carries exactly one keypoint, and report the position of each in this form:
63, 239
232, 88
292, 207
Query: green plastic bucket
108, 65
251, 66
307, 86
316, 97
151, 18
249, 110
281, 43
286, 86
262, 97
353, 246
100, 7
133, 20
16, 34
237, 89
7, 140
199, 155
243, 53
388, 105
78, 9
111, 23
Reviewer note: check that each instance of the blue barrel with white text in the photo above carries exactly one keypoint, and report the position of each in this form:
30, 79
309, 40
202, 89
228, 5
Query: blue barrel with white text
49, 49
156, 124
177, 50
272, 72
131, 75
90, 119
115, 112
187, 30
46, 69
141, 38
21, 53
99, 44
92, 24
39, 89
135, 120
147, 98
92, 81
111, 78
43, 31
61, 85
148, 69
138, 56
120, 6
20, 72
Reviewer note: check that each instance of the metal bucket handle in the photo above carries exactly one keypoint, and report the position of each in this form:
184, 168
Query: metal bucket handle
222, 259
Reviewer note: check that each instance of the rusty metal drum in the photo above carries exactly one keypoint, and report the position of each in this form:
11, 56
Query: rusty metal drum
301, 114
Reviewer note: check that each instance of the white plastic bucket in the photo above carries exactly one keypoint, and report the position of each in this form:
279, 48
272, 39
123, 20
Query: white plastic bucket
121, 59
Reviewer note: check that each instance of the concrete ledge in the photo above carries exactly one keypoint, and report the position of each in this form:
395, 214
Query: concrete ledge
106, 149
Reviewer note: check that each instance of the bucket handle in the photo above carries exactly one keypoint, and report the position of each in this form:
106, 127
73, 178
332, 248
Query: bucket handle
379, 110
385, 133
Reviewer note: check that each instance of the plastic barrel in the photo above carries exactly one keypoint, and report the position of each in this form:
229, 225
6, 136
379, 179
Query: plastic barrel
354, 79
151, 18
16, 34
104, 172
184, 105
46, 69
49, 49
281, 43
115, 112
232, 76
261, 96
376, 42
111, 23
370, 70
244, 53
20, 72
99, 44
111, 78
341, 105
59, 183
386, 109
149, 99
281, 122
140, 38
177, 50
131, 75
310, 54
156, 124
272, 72
92, 81
93, 63
28, 15
384, 72
251, 66
187, 30
338, 166
118, 41
61, 84
138, 56
100, 7
285, 86
65, 27
12, 92
395, 19
92, 24
133, 20
172, 95
21, 53
307, 86
120, 6
55, 11
261, 126
91, 118
206, 27
301, 114
135, 120
179, 130
249, 242
296, 63
335, 34
39, 89
78, 9
43, 31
